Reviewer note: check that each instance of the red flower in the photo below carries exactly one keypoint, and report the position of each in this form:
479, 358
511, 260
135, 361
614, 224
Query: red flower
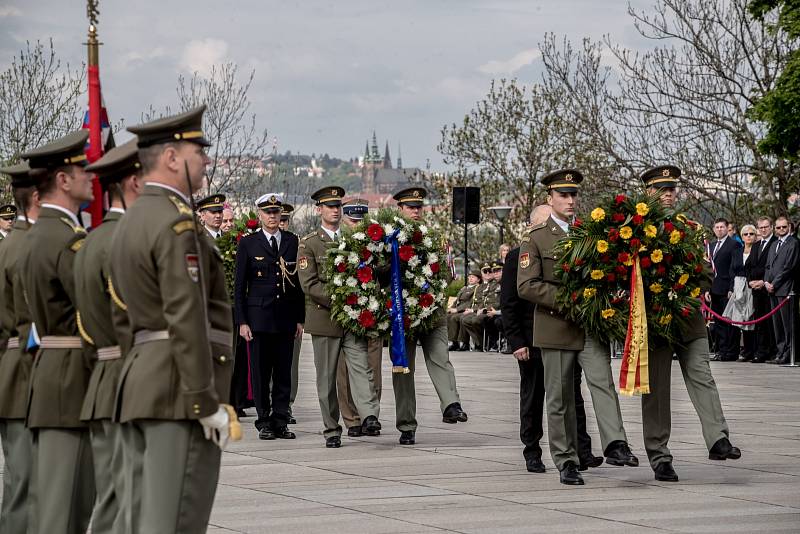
364, 275
366, 319
434, 267
678, 287
352, 298
365, 254
613, 235
661, 270
251, 224
656, 307
623, 257
406, 252
668, 258
645, 263
342, 267
621, 269
698, 268
579, 262
619, 199
686, 311
375, 232
689, 256
635, 244
239, 236
683, 234
668, 226
618, 217
616, 300
406, 321
611, 277
565, 267
578, 223
637, 219
417, 237
574, 296
425, 300
389, 304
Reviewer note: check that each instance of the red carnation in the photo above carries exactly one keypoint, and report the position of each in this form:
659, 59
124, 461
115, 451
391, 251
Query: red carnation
366, 319
239, 236
686, 311
425, 300
661, 270
637, 219
698, 268
613, 235
645, 263
635, 244
365, 254
621, 269
618, 217
579, 262
406, 321
574, 296
623, 257
434, 267
619, 199
352, 299
364, 274
668, 226
375, 232
251, 224
389, 304
611, 277
678, 287
683, 234
406, 252
689, 256
342, 267
565, 267
417, 237
578, 223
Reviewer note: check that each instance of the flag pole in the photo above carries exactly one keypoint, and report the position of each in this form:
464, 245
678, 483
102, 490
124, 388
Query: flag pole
95, 149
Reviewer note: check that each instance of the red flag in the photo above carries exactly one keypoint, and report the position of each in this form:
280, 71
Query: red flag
100, 138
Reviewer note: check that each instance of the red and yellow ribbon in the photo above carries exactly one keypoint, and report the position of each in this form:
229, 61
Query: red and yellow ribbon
634, 376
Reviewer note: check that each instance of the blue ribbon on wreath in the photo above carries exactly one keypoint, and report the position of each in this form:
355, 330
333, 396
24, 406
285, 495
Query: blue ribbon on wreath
397, 347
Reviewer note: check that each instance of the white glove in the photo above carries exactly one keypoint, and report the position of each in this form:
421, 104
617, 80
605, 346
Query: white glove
216, 427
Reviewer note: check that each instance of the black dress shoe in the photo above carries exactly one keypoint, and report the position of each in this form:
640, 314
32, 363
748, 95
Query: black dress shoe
355, 432
240, 413
333, 442
464, 347
453, 414
534, 465
619, 454
266, 433
371, 426
453, 346
283, 432
291, 421
569, 475
407, 437
478, 348
758, 360
665, 473
589, 461
723, 450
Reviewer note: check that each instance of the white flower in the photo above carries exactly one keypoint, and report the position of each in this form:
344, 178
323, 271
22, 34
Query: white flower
375, 246
383, 326
423, 229
672, 295
415, 323
425, 312
353, 258
351, 282
419, 282
402, 237
414, 261
412, 301
373, 221
359, 236
353, 314
364, 285
400, 221
338, 259
427, 242
409, 275
337, 280
373, 304
362, 300
342, 245
388, 228
432, 258
443, 284
405, 291
427, 271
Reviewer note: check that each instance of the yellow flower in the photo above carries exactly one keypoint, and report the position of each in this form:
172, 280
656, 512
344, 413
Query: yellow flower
602, 246
597, 274
568, 245
674, 237
650, 231
598, 214
625, 232
695, 293
642, 209
608, 313
589, 292
665, 320
656, 288
683, 279
656, 256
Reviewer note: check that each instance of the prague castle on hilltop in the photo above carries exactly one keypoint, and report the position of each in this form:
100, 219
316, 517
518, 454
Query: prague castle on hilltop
377, 174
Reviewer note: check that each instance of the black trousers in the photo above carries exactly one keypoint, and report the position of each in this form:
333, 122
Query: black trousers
782, 322
727, 335
239, 398
271, 360
765, 333
531, 407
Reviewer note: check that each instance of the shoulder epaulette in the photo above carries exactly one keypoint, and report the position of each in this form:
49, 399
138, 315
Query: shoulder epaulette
74, 227
180, 205
309, 236
538, 226
184, 225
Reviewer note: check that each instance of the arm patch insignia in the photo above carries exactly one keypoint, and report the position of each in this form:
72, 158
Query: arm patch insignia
302, 263
524, 260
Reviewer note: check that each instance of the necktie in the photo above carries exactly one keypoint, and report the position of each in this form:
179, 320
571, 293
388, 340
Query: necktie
716, 247
778, 246
274, 243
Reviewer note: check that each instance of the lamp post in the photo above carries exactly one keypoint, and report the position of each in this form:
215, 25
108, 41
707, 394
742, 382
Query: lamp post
501, 212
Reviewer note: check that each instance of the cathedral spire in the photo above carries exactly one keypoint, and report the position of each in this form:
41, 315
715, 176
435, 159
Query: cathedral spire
399, 158
366, 150
387, 159
374, 154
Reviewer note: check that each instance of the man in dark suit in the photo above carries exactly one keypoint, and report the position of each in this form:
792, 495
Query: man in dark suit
270, 312
765, 333
779, 279
517, 316
727, 336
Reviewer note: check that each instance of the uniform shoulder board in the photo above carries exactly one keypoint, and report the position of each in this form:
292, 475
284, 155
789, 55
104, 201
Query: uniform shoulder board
75, 228
180, 205
183, 226
76, 242
538, 226
309, 236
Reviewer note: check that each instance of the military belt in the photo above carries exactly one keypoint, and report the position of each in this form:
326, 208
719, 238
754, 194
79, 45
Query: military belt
13, 343
220, 337
61, 342
109, 353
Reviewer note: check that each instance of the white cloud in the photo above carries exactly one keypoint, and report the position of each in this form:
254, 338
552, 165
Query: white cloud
9, 11
512, 65
200, 55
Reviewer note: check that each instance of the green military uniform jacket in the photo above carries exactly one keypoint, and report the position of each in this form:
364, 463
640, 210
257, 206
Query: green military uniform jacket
465, 296
491, 298
536, 282
60, 376
93, 301
311, 256
15, 364
156, 272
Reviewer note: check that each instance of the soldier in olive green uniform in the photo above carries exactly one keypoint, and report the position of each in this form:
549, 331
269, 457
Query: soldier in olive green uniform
16, 362
327, 337
8, 212
434, 347
472, 323
465, 300
210, 210
117, 172
564, 342
489, 306
692, 352
63, 479
177, 374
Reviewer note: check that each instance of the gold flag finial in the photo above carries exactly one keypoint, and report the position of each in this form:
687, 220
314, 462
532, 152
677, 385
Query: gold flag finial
92, 12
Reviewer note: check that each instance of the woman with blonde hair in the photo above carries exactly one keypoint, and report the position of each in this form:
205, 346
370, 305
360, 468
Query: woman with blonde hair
740, 296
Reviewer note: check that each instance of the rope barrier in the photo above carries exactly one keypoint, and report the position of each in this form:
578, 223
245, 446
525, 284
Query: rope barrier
772, 312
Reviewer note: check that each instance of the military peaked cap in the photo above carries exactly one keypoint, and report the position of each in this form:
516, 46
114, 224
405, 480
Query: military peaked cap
20, 174
286, 210
411, 196
213, 203
330, 195
563, 181
355, 208
67, 150
497, 265
660, 177
8, 211
118, 163
187, 126
270, 201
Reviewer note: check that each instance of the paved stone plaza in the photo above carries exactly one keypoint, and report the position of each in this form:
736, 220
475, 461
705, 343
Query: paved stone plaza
471, 477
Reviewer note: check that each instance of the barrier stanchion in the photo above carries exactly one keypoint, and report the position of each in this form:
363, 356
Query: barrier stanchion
792, 332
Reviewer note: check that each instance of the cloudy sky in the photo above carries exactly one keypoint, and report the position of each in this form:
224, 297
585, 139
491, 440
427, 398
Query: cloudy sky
326, 72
